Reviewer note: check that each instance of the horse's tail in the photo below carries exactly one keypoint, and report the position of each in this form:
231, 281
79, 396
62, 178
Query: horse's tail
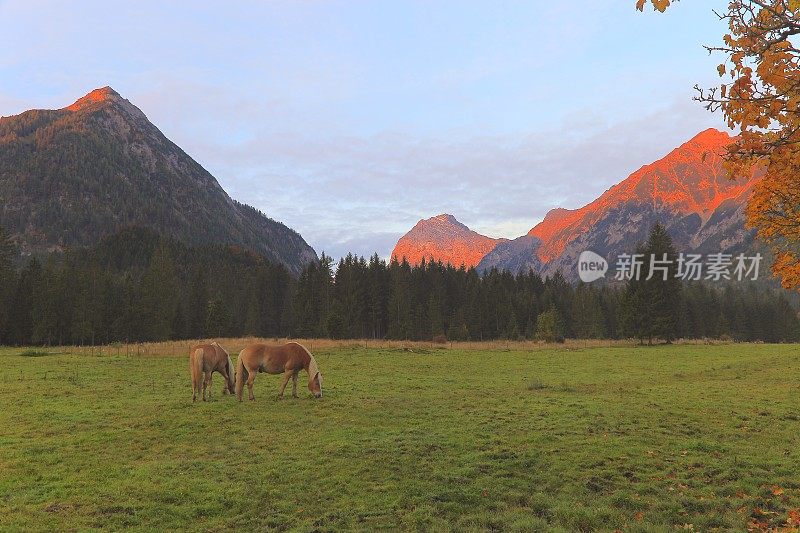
196, 369
241, 375
231, 377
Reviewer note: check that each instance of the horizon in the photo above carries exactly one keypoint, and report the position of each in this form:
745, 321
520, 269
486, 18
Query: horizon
364, 124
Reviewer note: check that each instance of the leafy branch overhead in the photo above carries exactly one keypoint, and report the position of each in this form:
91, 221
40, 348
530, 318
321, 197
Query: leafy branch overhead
659, 5
760, 99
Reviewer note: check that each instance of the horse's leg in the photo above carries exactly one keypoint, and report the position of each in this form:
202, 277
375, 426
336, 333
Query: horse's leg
294, 384
225, 381
207, 385
194, 380
286, 375
251, 376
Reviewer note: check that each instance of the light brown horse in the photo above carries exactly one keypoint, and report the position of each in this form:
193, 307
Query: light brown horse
204, 360
288, 360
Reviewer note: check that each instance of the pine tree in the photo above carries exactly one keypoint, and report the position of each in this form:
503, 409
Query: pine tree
198, 303
335, 327
377, 297
652, 301
399, 303
8, 280
218, 318
434, 314
252, 325
513, 330
23, 302
49, 298
159, 295
587, 314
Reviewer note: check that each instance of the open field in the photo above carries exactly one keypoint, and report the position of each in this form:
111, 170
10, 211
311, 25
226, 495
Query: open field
415, 438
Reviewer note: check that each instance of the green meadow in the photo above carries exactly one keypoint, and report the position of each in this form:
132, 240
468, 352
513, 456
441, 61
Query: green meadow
616, 438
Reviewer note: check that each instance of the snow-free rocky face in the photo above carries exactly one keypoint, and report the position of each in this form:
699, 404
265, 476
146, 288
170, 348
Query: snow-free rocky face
72, 176
687, 190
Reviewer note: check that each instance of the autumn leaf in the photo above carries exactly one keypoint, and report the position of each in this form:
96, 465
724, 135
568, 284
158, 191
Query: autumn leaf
659, 5
762, 102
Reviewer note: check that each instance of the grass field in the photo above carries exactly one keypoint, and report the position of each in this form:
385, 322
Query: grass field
581, 439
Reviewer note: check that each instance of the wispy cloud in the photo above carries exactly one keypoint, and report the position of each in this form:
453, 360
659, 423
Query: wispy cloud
349, 121
359, 194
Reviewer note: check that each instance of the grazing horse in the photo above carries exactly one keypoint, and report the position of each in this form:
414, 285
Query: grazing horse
288, 360
204, 360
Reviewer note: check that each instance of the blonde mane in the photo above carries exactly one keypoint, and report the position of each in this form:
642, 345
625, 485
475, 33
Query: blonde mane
231, 368
313, 368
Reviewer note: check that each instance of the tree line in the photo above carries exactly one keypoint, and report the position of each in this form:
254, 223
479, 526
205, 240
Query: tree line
137, 286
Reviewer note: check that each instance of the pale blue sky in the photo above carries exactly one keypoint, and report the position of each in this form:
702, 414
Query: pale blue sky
349, 121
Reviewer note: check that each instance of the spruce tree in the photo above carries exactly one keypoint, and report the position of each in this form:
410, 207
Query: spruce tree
159, 295
8, 280
25, 299
652, 301
587, 314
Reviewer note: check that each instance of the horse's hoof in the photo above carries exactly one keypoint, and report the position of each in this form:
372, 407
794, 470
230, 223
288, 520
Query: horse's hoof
295, 396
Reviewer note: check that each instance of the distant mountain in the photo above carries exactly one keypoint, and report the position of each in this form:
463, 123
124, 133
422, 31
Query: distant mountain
71, 176
445, 239
687, 190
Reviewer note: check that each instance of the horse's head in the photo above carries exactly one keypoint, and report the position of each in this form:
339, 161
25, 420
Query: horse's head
315, 385
314, 378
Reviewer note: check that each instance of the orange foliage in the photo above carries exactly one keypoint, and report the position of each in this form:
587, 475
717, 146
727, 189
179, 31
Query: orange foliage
761, 99
659, 5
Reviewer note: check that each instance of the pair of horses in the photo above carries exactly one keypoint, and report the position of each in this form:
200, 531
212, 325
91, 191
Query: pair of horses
288, 360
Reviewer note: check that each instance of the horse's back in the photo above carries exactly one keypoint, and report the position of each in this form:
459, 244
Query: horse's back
209, 356
274, 359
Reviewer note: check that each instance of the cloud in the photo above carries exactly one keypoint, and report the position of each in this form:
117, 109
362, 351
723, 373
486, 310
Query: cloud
350, 122
360, 193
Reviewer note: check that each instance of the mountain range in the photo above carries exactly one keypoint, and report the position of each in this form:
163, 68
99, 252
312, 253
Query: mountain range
687, 190
71, 176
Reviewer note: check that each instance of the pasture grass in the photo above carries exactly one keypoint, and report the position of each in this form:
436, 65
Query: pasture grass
36, 352
637, 439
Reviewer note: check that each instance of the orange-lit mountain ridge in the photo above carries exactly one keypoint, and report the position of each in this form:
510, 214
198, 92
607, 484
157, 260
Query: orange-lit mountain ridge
443, 238
689, 180
687, 190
